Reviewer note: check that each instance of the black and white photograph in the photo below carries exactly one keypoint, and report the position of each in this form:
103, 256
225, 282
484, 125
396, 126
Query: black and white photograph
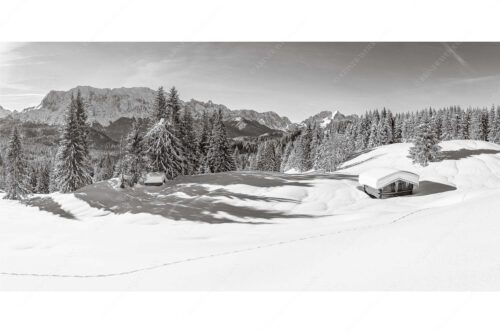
258, 166
192, 165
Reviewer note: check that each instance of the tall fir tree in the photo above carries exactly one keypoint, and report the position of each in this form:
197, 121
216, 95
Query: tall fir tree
373, 140
425, 146
204, 142
189, 143
72, 170
294, 159
398, 128
105, 168
286, 156
316, 135
492, 124
476, 129
463, 133
219, 155
174, 110
494, 133
32, 178
268, 157
135, 159
304, 153
385, 129
446, 126
326, 161
164, 150
237, 159
160, 106
17, 186
43, 178
82, 127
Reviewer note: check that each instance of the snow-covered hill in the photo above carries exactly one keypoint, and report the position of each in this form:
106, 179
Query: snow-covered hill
268, 231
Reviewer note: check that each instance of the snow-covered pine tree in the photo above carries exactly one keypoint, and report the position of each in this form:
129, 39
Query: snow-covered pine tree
72, 170
83, 128
494, 131
105, 169
455, 122
219, 156
425, 145
315, 142
32, 178
406, 131
252, 161
160, 106
43, 178
189, 143
268, 158
484, 120
476, 129
373, 140
335, 150
294, 160
326, 161
491, 124
16, 186
237, 159
286, 155
350, 135
398, 128
174, 110
362, 132
304, 149
261, 162
464, 125
134, 159
385, 129
446, 126
278, 155
203, 142
164, 150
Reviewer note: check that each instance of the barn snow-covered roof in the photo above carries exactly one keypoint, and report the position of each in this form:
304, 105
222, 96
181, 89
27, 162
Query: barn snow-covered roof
155, 177
380, 177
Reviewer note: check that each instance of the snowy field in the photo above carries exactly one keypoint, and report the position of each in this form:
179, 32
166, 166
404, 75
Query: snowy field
266, 231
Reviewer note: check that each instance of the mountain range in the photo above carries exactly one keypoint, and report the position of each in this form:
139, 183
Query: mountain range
113, 109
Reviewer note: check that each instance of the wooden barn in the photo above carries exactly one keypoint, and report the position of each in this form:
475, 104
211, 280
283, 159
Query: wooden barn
387, 183
155, 179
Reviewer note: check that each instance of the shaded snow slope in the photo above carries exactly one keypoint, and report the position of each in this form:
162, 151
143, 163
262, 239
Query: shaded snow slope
268, 231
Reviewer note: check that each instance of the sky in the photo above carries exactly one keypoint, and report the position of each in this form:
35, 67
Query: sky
293, 79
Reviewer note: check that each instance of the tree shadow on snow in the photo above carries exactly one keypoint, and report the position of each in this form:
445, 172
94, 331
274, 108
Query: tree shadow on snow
48, 205
193, 198
464, 153
259, 179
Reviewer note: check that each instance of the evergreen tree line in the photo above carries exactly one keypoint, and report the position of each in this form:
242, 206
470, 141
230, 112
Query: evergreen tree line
171, 145
70, 169
326, 148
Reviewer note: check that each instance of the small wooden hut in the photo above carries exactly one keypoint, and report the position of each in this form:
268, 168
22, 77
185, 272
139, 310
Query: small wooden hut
155, 179
387, 183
